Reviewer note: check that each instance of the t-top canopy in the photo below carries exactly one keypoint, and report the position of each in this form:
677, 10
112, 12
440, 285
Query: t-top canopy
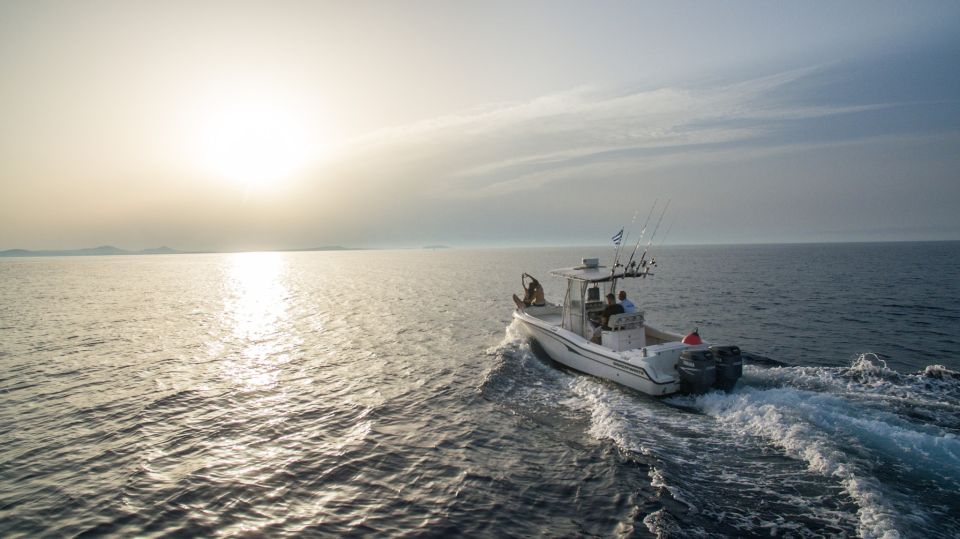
599, 274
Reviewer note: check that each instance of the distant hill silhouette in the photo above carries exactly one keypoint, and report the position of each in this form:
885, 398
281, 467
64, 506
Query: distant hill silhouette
103, 250
16, 252
109, 250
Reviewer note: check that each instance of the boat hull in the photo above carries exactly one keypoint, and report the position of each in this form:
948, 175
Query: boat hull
650, 375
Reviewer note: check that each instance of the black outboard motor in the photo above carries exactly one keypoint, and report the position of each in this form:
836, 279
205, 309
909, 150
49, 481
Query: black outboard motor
698, 371
729, 366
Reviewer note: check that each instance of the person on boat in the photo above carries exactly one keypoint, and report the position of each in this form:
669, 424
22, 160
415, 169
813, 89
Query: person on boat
532, 295
628, 306
611, 309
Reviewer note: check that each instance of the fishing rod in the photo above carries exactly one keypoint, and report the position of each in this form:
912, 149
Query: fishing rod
643, 231
624, 236
620, 238
653, 259
629, 231
667, 233
655, 229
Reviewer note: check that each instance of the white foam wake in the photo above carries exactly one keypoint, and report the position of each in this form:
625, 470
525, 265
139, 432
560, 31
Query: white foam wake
854, 424
808, 426
834, 430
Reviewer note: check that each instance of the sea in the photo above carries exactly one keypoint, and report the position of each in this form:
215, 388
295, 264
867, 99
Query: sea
389, 394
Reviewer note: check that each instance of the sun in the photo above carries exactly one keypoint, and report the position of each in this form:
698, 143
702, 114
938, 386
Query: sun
254, 144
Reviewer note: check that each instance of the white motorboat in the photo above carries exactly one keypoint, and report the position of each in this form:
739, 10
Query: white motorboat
628, 350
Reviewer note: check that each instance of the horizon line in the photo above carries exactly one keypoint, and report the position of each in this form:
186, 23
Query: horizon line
334, 248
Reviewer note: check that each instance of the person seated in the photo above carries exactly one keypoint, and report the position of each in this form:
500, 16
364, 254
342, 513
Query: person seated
611, 309
628, 306
532, 296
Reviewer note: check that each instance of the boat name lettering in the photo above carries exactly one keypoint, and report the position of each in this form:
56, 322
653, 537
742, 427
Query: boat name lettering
631, 369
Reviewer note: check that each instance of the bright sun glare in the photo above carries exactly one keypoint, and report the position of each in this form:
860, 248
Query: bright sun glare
254, 144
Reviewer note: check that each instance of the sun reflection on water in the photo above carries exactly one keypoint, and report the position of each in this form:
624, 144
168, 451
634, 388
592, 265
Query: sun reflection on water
256, 309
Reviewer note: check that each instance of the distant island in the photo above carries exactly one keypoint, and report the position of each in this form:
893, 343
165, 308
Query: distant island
109, 250
103, 250
436, 246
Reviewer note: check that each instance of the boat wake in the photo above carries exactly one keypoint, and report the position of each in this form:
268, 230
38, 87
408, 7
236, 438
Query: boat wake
888, 439
805, 451
528, 382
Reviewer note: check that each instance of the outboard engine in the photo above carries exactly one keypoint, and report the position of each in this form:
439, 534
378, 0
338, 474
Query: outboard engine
698, 371
729, 366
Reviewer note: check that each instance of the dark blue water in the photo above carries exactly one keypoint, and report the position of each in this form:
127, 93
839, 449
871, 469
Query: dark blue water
387, 393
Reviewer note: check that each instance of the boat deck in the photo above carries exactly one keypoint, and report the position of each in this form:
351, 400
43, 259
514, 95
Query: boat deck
551, 314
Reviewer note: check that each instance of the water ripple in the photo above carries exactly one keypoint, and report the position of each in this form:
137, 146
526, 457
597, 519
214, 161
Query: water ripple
376, 393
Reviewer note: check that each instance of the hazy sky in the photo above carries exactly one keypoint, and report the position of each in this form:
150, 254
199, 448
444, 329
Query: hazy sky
251, 125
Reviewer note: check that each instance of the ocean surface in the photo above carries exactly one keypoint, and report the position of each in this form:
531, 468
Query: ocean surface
388, 394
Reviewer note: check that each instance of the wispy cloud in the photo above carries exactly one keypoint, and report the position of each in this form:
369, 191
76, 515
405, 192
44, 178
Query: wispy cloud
765, 144
510, 148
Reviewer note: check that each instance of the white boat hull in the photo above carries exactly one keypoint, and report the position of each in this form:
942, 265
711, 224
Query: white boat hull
651, 369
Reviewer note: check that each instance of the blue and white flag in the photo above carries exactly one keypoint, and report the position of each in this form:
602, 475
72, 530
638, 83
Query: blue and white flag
617, 237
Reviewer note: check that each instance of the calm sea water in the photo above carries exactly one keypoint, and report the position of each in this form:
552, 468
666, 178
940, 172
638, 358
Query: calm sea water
388, 394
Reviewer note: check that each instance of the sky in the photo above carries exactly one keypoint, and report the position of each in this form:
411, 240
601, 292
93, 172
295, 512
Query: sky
278, 125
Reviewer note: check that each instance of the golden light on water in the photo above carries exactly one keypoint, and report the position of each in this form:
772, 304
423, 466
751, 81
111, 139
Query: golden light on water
257, 311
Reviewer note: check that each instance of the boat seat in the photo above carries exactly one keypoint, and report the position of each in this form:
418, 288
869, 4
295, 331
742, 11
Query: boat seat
623, 321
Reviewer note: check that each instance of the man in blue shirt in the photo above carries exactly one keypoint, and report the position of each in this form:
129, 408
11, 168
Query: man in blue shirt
628, 306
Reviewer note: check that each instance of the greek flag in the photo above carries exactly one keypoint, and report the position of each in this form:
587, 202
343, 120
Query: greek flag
617, 237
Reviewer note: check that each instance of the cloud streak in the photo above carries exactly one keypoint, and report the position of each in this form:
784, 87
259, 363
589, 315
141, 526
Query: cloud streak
495, 170
514, 148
